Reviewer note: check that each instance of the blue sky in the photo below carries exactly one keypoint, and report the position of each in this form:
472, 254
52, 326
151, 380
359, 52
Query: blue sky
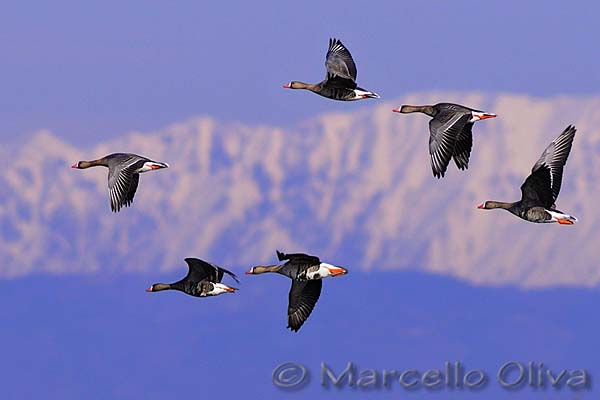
94, 70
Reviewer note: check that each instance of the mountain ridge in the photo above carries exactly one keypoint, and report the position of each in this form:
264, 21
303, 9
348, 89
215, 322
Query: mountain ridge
344, 186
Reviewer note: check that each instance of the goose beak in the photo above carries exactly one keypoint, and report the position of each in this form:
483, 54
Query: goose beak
337, 271
149, 289
481, 206
397, 109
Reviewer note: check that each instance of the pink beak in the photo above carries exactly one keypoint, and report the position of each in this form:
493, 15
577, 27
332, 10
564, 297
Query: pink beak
249, 272
287, 86
482, 205
149, 289
74, 165
396, 110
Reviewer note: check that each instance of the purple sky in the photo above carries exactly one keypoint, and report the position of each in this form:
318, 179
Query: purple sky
96, 70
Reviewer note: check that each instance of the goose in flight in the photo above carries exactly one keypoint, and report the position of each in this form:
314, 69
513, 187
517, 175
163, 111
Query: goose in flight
540, 190
340, 81
306, 273
450, 133
202, 280
123, 175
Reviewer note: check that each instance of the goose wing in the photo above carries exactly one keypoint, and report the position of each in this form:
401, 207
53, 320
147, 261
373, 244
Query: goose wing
299, 258
542, 186
302, 299
339, 62
445, 128
123, 180
200, 270
463, 147
221, 271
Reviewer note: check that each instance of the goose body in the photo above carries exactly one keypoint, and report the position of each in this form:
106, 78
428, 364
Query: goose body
124, 171
340, 81
450, 133
306, 273
202, 280
541, 188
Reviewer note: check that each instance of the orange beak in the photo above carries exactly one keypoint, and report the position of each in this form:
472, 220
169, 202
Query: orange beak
487, 116
230, 289
337, 271
565, 222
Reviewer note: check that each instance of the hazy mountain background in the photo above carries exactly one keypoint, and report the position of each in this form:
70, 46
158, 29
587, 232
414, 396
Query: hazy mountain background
353, 187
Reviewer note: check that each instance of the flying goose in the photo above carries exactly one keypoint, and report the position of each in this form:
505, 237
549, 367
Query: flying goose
124, 171
306, 273
540, 190
203, 279
450, 134
340, 81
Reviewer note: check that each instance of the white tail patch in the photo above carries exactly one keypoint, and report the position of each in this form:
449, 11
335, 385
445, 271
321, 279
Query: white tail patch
364, 94
220, 288
561, 218
481, 115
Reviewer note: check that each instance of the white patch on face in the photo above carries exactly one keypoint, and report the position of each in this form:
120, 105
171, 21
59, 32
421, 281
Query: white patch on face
322, 272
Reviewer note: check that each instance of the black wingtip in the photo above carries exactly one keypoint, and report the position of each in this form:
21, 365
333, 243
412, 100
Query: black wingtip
280, 255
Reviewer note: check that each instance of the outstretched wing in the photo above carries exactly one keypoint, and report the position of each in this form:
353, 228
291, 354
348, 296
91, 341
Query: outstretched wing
445, 128
221, 271
200, 270
537, 189
123, 182
463, 146
549, 168
302, 299
339, 62
299, 258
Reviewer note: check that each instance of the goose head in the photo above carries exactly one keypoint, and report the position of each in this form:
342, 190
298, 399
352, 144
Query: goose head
157, 287
261, 270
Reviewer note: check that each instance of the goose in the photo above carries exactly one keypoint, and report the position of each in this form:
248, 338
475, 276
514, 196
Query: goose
306, 273
540, 190
340, 81
124, 171
202, 280
450, 133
